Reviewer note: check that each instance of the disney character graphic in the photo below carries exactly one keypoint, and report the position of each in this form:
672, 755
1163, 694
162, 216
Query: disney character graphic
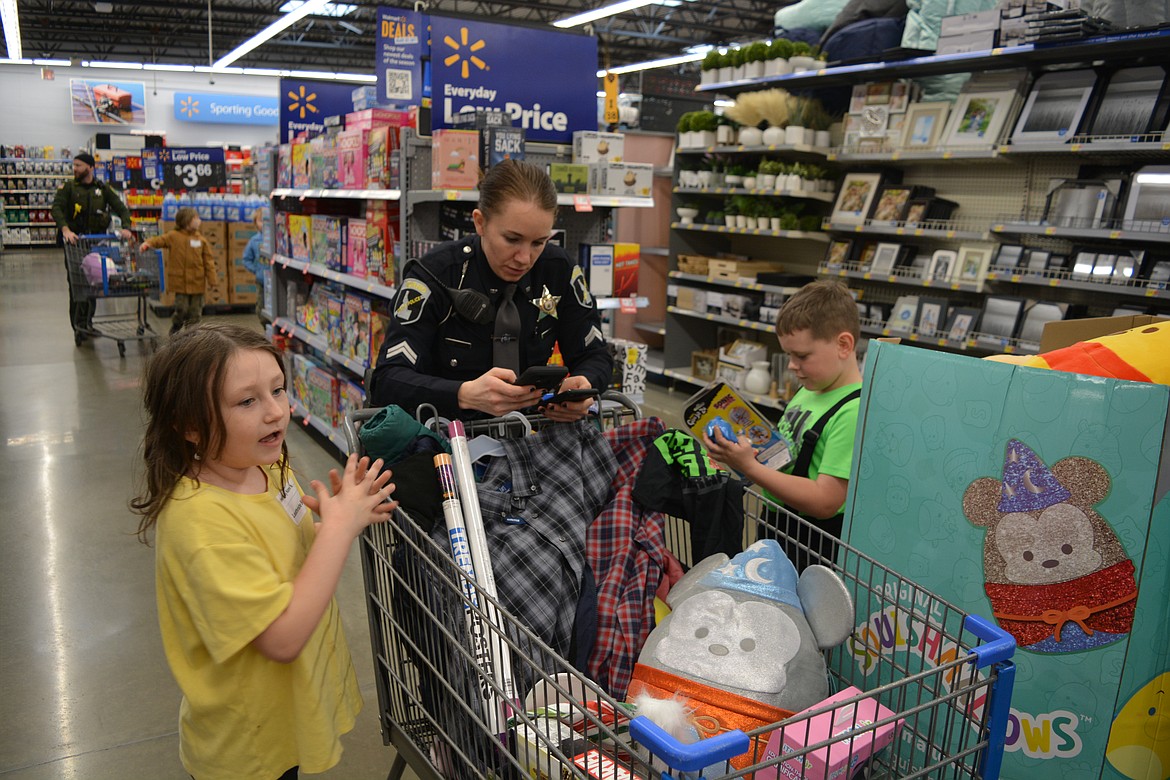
1057, 576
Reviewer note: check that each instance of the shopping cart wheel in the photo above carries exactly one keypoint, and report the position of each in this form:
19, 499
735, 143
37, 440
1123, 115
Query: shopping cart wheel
141, 330
121, 349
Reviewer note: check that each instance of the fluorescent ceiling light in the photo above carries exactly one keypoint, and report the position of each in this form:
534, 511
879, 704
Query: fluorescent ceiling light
316, 74
59, 63
277, 27
112, 65
169, 68
663, 63
11, 22
9, 61
331, 9
601, 13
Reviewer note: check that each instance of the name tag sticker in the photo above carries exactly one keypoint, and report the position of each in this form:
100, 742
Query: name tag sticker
196, 243
290, 499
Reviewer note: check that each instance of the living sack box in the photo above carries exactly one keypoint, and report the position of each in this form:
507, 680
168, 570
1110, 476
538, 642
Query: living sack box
1036, 499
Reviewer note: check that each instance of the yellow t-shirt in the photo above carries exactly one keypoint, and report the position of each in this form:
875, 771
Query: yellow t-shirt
224, 568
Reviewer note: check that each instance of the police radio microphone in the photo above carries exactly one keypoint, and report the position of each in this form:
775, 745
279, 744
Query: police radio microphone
471, 305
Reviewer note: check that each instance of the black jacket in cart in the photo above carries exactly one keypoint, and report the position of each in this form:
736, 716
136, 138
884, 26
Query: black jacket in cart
429, 349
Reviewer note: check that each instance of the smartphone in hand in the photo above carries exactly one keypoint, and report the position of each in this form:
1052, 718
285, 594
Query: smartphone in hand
542, 377
568, 396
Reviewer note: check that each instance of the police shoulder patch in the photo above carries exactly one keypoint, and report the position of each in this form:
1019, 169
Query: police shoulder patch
412, 299
580, 288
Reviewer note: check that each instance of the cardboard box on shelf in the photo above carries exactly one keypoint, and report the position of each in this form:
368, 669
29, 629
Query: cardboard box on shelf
241, 293
742, 353
734, 270
455, 160
597, 262
694, 264
497, 144
692, 299
569, 178
381, 117
622, 179
238, 236
592, 146
327, 243
627, 258
355, 248
300, 236
352, 147
301, 165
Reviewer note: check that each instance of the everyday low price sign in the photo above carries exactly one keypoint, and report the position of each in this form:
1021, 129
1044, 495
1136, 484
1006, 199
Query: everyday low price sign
490, 67
193, 168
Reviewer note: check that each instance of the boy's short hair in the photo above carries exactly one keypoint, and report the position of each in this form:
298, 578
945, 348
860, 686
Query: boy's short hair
184, 216
824, 308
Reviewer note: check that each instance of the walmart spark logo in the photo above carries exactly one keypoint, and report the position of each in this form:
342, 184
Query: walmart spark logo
467, 58
189, 107
302, 102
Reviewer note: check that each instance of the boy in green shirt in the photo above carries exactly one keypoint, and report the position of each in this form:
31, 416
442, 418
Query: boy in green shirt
818, 329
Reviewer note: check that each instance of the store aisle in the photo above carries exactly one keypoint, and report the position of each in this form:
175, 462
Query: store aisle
84, 688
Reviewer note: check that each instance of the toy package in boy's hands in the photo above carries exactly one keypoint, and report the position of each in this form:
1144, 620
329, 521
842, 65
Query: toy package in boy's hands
719, 403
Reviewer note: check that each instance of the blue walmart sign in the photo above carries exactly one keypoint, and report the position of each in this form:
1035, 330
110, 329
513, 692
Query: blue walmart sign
226, 109
490, 66
305, 103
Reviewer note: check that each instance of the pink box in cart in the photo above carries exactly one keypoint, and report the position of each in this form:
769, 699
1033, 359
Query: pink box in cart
838, 759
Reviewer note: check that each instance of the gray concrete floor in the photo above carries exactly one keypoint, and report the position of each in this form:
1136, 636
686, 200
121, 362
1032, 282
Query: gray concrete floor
84, 687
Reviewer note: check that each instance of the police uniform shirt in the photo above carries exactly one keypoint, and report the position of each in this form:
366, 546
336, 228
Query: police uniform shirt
429, 350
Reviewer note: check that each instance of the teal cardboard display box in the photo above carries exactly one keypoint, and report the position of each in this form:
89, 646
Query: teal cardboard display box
1038, 499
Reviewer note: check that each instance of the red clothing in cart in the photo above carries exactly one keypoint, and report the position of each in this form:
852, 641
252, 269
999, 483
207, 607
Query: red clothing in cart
626, 550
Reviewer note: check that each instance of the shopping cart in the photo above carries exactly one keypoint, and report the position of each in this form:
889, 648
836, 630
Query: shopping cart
944, 676
103, 267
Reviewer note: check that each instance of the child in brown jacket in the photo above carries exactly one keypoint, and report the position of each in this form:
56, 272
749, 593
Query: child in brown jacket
190, 266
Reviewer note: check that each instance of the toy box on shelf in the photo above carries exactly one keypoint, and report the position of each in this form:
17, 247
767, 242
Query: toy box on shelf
328, 248
455, 160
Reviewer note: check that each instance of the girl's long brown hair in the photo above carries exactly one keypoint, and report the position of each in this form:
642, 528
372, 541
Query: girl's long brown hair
182, 386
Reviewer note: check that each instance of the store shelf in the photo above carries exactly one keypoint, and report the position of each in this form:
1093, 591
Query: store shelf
345, 194
658, 328
1081, 234
827, 197
740, 284
472, 196
684, 375
941, 230
797, 234
639, 302
1116, 47
27, 192
316, 269
790, 149
1136, 288
1135, 146
324, 427
321, 344
940, 154
30, 224
747, 324
905, 276
977, 342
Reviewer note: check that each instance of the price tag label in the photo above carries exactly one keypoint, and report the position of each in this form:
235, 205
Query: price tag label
582, 203
629, 306
193, 168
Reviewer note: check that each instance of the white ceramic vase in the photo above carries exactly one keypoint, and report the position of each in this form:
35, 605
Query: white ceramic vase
758, 380
724, 135
773, 136
793, 135
749, 182
751, 136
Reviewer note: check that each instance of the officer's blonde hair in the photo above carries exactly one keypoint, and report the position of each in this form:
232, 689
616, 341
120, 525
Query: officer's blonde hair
516, 180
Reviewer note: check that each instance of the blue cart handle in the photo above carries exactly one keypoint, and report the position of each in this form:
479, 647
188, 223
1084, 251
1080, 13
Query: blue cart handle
999, 647
688, 758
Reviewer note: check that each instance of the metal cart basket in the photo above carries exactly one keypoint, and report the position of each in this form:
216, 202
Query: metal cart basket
945, 677
104, 267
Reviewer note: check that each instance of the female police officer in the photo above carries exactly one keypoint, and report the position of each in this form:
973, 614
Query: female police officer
472, 314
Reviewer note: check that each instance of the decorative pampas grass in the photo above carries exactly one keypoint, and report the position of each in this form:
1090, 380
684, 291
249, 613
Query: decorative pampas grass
752, 108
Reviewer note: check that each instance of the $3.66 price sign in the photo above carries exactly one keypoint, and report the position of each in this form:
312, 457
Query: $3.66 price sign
193, 168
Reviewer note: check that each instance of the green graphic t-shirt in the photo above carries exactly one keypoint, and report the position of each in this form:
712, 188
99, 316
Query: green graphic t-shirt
834, 450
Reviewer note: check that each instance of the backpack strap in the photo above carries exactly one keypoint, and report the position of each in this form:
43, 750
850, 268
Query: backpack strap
809, 439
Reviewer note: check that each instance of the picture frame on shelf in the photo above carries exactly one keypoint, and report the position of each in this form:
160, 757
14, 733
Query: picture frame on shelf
704, 364
917, 211
943, 265
904, 314
865, 256
1083, 262
1128, 104
1147, 208
1080, 203
1008, 256
978, 118
1054, 107
932, 316
855, 198
838, 253
899, 96
924, 125
877, 93
1125, 269
1036, 261
857, 98
885, 257
961, 322
972, 265
1058, 263
1103, 267
1001, 317
1036, 315
1159, 274
891, 202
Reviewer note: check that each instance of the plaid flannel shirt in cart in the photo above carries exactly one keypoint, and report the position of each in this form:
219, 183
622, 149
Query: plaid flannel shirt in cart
628, 555
537, 502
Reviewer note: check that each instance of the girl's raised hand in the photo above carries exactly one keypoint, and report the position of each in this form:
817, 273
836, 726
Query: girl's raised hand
355, 498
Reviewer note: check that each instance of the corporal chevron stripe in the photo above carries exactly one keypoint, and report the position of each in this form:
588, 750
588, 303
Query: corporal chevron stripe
593, 335
402, 348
